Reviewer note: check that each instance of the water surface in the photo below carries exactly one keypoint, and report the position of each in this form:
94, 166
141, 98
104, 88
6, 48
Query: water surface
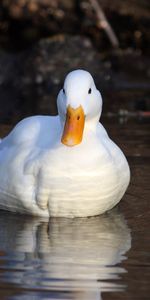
63, 256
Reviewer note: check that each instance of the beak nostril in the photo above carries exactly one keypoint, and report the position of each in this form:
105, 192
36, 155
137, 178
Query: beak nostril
78, 117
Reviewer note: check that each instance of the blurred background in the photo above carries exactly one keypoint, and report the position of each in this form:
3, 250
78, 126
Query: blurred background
42, 40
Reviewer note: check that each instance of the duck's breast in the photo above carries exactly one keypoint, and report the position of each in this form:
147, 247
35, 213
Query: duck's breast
86, 179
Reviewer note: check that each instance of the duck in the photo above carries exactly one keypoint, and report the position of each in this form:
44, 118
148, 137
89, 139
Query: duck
64, 165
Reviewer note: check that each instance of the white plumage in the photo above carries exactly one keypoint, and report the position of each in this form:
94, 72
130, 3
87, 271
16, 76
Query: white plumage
40, 175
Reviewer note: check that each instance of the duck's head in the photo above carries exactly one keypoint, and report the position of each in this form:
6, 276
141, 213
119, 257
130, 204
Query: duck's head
79, 106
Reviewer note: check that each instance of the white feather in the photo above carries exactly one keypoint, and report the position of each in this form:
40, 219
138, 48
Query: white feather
41, 176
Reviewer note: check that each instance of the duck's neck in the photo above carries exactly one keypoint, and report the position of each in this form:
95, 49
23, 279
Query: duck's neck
91, 124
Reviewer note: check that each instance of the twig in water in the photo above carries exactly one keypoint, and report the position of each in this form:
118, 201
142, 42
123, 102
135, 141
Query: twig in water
103, 23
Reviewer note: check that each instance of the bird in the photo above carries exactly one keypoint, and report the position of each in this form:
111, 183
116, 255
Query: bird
64, 165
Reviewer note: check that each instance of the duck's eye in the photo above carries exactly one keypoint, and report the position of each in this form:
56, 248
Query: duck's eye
64, 91
89, 91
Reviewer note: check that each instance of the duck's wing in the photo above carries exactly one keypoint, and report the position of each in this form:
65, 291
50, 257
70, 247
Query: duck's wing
21, 155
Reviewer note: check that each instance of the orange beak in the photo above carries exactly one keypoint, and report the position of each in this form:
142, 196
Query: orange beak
74, 126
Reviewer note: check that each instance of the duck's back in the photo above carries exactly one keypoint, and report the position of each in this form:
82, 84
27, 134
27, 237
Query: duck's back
36, 130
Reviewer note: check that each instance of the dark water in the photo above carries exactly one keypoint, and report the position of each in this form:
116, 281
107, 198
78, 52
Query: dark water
104, 257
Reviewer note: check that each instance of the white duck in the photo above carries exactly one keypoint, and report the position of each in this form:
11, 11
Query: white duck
64, 166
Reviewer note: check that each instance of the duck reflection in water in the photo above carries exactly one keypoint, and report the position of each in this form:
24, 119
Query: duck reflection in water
74, 255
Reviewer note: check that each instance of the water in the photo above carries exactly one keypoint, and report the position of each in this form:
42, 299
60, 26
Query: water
64, 257
103, 257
